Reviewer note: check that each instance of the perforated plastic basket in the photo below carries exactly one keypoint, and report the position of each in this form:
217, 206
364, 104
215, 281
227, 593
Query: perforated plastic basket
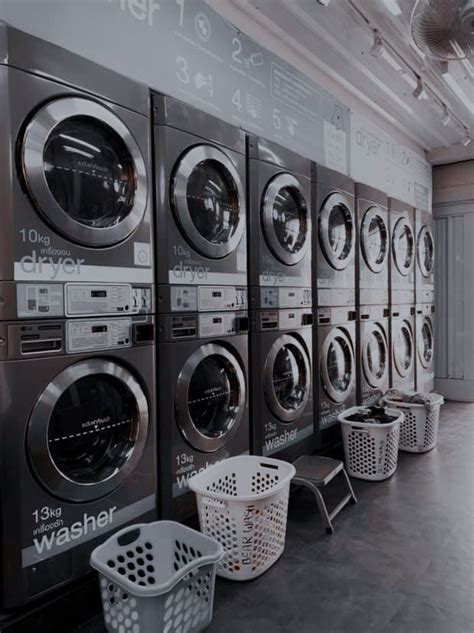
243, 503
419, 429
371, 450
157, 577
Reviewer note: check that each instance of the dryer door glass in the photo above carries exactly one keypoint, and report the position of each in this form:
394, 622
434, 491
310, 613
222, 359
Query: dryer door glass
287, 378
374, 240
336, 231
338, 366
286, 219
210, 398
425, 251
91, 437
85, 172
403, 246
375, 360
208, 201
403, 349
426, 344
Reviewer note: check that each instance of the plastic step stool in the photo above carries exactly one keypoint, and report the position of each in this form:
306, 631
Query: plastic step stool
315, 472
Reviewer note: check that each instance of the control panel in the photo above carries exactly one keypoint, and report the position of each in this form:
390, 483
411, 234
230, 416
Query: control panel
285, 297
93, 335
185, 326
207, 298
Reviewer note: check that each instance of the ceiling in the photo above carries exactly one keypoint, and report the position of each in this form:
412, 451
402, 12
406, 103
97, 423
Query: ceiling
336, 40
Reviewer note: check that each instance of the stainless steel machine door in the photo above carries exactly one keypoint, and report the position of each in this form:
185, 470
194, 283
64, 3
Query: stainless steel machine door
374, 239
286, 219
337, 365
208, 200
210, 397
425, 251
287, 378
375, 355
84, 171
426, 343
403, 347
336, 231
88, 430
403, 245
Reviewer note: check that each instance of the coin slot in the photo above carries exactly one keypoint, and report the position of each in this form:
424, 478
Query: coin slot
40, 346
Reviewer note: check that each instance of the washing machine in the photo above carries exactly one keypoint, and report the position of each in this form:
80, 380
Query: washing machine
334, 237
200, 182
75, 181
77, 449
402, 268
372, 353
402, 344
373, 247
281, 397
336, 346
425, 254
203, 400
279, 226
424, 340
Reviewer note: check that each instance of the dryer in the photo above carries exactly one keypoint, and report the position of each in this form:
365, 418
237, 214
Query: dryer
373, 353
203, 400
334, 237
279, 226
77, 445
424, 340
402, 344
335, 333
200, 188
281, 397
402, 268
373, 247
76, 208
425, 257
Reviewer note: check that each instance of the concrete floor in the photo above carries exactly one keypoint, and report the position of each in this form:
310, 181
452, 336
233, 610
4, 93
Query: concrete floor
401, 561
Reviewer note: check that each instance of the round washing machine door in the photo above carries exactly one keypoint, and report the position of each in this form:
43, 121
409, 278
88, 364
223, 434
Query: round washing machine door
425, 251
287, 378
374, 239
375, 356
426, 343
403, 348
286, 219
210, 397
403, 245
337, 365
88, 430
336, 231
208, 200
84, 172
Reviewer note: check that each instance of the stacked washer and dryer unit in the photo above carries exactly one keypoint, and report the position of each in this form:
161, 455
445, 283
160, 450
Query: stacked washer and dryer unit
281, 346
77, 356
200, 180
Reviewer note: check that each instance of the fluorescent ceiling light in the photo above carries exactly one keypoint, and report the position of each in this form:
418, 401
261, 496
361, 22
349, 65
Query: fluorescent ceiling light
392, 6
456, 88
392, 62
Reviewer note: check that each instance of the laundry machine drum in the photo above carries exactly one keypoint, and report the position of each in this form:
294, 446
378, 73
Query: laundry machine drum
375, 357
374, 239
88, 430
287, 378
403, 246
336, 231
208, 201
286, 219
84, 172
403, 349
425, 251
337, 365
426, 344
210, 397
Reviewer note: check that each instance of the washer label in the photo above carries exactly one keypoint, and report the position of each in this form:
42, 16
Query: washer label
39, 300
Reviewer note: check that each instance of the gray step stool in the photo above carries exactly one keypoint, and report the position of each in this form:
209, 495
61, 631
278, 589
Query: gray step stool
316, 472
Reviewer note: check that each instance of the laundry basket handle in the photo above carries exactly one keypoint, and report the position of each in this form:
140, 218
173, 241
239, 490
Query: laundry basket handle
129, 537
266, 465
360, 429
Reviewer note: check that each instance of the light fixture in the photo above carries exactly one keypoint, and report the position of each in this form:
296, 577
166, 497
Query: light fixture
456, 88
446, 118
392, 6
419, 92
324, 2
378, 47
466, 139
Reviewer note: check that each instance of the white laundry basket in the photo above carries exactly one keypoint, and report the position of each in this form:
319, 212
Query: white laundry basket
157, 577
371, 450
419, 429
243, 503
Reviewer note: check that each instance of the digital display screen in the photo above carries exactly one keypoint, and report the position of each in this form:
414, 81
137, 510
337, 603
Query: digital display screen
98, 294
98, 328
217, 320
217, 293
